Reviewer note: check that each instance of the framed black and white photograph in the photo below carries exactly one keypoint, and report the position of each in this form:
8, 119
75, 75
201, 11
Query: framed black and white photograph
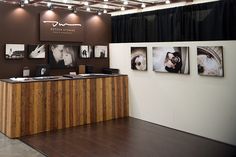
91, 50
100, 52
171, 59
14, 51
84, 51
139, 58
210, 61
62, 56
37, 51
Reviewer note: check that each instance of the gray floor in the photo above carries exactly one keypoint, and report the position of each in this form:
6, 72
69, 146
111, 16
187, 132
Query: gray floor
15, 148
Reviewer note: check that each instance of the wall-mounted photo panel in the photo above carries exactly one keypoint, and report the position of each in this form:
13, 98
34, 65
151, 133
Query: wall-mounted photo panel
100, 52
91, 50
14, 51
210, 61
171, 59
84, 51
62, 56
139, 58
37, 51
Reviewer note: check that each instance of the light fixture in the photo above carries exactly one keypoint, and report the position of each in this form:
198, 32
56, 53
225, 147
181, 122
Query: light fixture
105, 6
74, 10
105, 11
26, 1
49, 5
122, 8
69, 7
86, 3
105, 0
22, 4
99, 13
88, 9
143, 5
167, 1
125, 2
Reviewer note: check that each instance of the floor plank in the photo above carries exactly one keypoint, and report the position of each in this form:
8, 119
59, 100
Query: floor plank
127, 137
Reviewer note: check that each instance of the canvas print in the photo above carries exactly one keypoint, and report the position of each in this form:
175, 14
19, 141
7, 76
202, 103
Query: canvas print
100, 52
14, 51
62, 56
84, 51
139, 58
171, 59
37, 51
210, 60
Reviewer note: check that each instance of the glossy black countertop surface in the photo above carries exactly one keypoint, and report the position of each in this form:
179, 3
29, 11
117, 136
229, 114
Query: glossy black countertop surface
58, 78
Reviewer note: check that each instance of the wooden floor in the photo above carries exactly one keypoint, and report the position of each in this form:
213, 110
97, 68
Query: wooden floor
126, 137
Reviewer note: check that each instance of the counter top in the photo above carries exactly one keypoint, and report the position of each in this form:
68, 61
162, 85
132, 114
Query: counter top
57, 78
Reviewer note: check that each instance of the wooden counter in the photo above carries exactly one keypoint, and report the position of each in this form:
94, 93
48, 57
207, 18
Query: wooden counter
32, 107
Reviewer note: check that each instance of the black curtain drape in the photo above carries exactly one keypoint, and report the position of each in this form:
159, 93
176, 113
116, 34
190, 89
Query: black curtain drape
201, 22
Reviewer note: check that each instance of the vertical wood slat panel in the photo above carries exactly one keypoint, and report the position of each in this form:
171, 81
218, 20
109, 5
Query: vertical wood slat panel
67, 103
4, 107
81, 102
99, 91
126, 103
108, 99
59, 104
1, 104
88, 101
122, 96
10, 118
84, 102
48, 107
116, 97
74, 111
42, 106
17, 109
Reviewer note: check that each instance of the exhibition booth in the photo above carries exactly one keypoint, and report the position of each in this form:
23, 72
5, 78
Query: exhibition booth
172, 67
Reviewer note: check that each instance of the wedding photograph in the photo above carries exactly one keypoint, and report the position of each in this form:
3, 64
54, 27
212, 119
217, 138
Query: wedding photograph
171, 59
84, 51
139, 58
62, 56
210, 61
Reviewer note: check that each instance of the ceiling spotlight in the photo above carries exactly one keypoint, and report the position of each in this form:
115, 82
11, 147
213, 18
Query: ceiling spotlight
69, 7
49, 5
99, 13
22, 4
122, 8
74, 10
167, 1
105, 6
88, 9
86, 3
125, 2
105, 0
105, 11
26, 1
143, 5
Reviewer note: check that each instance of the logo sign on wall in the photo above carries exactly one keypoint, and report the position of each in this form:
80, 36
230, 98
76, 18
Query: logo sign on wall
61, 27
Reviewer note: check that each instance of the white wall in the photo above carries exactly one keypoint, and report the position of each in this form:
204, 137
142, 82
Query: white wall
200, 105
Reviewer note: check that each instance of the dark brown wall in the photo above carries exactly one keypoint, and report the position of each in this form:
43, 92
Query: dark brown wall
21, 26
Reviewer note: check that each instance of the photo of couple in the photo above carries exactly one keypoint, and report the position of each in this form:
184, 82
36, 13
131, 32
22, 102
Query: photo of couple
62, 56
171, 59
